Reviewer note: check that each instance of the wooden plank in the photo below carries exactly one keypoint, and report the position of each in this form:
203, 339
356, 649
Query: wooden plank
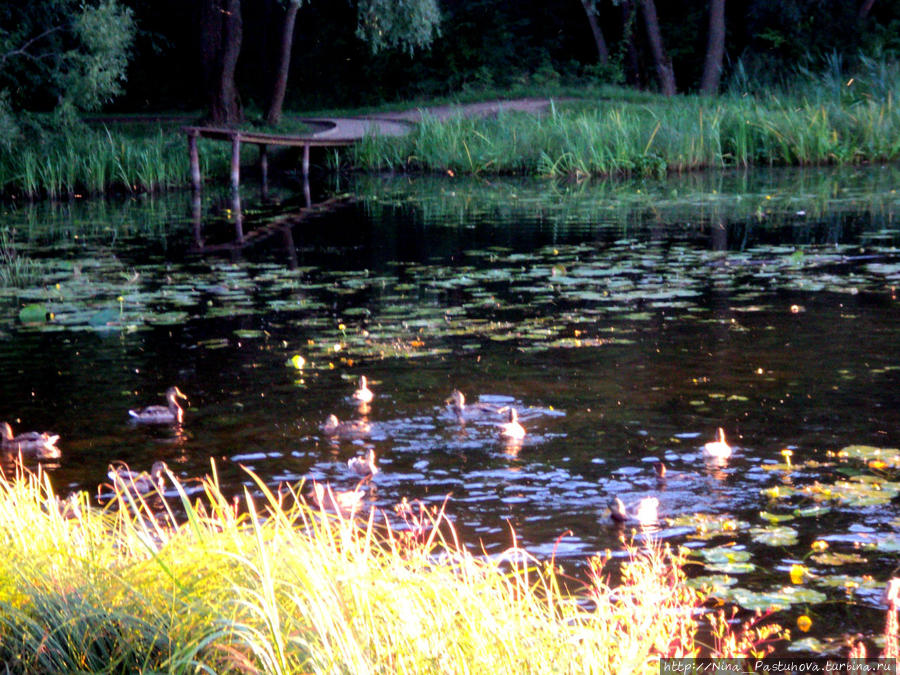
216, 133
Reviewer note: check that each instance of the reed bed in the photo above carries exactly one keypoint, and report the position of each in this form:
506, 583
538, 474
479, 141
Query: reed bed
92, 162
268, 584
610, 137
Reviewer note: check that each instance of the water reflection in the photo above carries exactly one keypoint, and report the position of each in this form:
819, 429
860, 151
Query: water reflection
623, 326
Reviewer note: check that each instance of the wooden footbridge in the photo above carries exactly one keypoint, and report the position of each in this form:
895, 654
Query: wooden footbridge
338, 131
331, 133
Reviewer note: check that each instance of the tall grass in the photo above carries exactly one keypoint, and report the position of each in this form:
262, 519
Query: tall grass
833, 117
612, 138
90, 162
275, 586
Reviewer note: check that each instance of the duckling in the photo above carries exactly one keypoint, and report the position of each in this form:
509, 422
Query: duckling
125, 480
646, 513
41, 442
363, 394
344, 503
511, 428
717, 449
158, 414
350, 429
363, 466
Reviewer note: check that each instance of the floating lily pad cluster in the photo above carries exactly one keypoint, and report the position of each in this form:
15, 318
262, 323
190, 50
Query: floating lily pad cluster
579, 296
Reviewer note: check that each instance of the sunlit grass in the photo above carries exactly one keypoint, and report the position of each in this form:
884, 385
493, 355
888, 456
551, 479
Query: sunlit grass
274, 586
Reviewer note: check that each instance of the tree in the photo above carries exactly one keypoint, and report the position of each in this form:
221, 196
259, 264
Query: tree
406, 24
221, 34
63, 55
663, 64
715, 48
279, 87
382, 24
590, 8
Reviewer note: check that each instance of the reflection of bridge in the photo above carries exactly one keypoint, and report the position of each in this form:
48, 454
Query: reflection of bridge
283, 225
328, 132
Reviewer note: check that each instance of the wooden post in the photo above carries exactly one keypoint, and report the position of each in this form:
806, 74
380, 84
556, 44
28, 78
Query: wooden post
195, 160
263, 163
235, 161
306, 160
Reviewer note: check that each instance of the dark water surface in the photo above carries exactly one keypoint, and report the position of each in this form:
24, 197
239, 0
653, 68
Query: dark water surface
626, 322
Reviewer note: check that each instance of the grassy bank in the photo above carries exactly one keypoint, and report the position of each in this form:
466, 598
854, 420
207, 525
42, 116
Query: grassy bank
614, 137
275, 586
87, 161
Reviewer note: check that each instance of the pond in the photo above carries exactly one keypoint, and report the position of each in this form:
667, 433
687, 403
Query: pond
625, 321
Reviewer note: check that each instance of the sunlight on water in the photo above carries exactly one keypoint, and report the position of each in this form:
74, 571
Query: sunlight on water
624, 326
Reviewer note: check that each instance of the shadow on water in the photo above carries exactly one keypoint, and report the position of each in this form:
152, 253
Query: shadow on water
625, 322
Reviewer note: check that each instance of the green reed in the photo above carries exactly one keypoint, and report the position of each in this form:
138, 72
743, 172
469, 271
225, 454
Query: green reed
92, 162
613, 137
202, 583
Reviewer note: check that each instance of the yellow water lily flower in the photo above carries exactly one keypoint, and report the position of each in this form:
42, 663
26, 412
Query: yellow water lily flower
797, 574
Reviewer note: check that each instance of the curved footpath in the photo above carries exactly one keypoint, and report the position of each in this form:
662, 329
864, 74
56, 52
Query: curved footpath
400, 123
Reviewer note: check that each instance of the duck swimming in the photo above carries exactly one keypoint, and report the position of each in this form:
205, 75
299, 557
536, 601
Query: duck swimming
719, 448
29, 441
511, 428
124, 479
458, 406
363, 394
332, 426
646, 513
344, 503
363, 466
158, 414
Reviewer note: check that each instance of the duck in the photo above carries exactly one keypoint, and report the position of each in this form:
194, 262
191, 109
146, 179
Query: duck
125, 480
660, 470
42, 442
719, 448
363, 466
363, 394
158, 414
645, 514
458, 406
332, 426
511, 429
344, 503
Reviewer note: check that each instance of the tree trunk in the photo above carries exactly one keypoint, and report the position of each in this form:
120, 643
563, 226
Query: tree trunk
631, 64
865, 8
225, 106
661, 60
715, 48
590, 8
279, 86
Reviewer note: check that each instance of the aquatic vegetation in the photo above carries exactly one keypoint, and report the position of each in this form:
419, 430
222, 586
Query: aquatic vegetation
92, 162
16, 270
615, 137
278, 586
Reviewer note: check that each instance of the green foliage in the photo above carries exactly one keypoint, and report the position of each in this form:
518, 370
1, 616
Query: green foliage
398, 23
64, 54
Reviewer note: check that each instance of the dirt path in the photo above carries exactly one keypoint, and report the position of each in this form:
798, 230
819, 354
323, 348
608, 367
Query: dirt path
400, 123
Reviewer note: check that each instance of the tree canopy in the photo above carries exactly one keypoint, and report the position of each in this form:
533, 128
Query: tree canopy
63, 54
